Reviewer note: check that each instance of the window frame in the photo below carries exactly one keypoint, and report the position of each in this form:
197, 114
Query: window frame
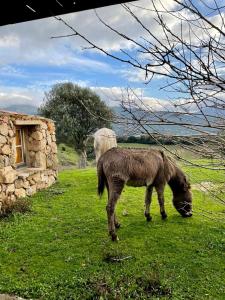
21, 146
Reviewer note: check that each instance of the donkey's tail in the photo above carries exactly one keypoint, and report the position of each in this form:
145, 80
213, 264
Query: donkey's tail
101, 178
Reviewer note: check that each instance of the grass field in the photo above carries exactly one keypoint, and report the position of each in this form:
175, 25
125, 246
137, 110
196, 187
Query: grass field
67, 156
61, 250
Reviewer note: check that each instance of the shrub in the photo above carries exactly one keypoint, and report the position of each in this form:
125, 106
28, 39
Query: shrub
21, 206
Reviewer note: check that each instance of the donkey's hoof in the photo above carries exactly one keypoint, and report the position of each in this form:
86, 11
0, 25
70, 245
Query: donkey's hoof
114, 237
117, 225
164, 216
148, 217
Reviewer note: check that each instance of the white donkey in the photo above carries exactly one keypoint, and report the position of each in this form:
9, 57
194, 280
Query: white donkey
104, 139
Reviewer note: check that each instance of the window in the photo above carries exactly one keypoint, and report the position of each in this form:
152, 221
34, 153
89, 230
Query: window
20, 146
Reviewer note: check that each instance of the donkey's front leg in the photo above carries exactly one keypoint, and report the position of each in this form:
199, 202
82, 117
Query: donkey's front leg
148, 199
160, 193
116, 222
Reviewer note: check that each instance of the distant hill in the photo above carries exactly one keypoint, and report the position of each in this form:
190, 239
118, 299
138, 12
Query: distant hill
20, 108
132, 129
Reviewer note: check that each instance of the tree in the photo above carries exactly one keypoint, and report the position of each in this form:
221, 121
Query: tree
187, 49
77, 113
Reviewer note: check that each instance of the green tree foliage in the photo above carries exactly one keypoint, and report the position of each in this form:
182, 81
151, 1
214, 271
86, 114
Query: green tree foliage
77, 113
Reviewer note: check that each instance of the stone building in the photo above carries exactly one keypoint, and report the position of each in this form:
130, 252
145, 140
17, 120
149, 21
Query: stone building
28, 155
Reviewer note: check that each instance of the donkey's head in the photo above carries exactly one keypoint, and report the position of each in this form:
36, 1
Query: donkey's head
182, 197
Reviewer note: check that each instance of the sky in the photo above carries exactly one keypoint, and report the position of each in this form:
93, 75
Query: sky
32, 61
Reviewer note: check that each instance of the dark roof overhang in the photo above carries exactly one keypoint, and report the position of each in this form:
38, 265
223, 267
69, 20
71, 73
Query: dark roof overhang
27, 10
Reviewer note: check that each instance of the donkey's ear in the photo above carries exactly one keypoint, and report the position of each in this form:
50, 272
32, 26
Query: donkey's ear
186, 184
185, 187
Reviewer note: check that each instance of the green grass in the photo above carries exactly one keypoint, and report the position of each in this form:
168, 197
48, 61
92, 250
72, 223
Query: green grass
61, 250
67, 156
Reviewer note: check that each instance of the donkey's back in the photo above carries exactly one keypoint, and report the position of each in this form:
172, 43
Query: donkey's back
132, 166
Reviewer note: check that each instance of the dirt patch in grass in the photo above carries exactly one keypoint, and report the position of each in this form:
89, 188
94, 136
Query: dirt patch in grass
143, 287
152, 286
109, 258
10, 297
204, 186
21, 206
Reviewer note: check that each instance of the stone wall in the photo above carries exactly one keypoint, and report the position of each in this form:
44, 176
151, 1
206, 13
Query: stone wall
40, 169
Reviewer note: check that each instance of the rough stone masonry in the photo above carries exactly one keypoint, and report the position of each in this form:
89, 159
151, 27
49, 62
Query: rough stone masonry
28, 156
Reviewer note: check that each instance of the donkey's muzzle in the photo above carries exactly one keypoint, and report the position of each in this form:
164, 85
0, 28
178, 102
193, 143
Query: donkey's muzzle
187, 214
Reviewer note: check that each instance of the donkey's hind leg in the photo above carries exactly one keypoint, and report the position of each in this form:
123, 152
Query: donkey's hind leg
116, 222
148, 200
160, 193
115, 189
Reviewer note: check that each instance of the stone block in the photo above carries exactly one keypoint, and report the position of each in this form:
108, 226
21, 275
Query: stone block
51, 127
48, 150
41, 185
20, 183
5, 119
12, 198
2, 163
31, 190
3, 139
7, 175
51, 180
10, 188
44, 126
54, 148
32, 154
36, 145
43, 131
4, 129
40, 160
44, 178
37, 135
6, 150
49, 138
55, 162
49, 163
36, 177
11, 133
9, 161
23, 175
11, 125
20, 193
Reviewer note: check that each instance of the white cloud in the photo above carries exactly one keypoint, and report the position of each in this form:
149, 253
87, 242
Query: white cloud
34, 95
30, 42
16, 95
10, 40
113, 96
29, 95
137, 97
